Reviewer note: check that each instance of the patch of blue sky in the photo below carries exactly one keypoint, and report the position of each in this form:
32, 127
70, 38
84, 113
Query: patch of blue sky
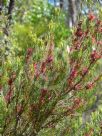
54, 2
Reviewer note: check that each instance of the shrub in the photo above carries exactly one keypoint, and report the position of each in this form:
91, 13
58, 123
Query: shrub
43, 89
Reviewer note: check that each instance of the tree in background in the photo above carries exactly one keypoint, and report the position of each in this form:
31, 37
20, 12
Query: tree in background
61, 4
73, 11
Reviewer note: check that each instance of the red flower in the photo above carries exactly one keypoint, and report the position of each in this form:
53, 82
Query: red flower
78, 87
43, 92
35, 66
43, 67
93, 40
79, 32
33, 107
86, 32
10, 81
89, 85
77, 101
91, 16
74, 73
8, 96
49, 59
29, 51
98, 22
12, 78
99, 42
19, 109
84, 70
36, 70
70, 82
95, 56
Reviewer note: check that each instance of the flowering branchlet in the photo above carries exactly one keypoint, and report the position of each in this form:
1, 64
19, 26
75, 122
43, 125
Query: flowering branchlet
29, 54
49, 59
95, 56
91, 16
89, 85
43, 92
12, 79
79, 32
19, 109
84, 71
33, 107
73, 74
8, 96
77, 103
29, 51
78, 87
43, 67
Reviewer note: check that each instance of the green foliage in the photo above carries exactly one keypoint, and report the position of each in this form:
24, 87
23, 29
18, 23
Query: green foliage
42, 20
41, 64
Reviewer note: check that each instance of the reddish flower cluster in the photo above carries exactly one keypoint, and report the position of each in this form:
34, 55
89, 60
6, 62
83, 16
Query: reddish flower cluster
99, 42
49, 59
10, 81
43, 92
19, 109
79, 32
99, 22
77, 101
78, 87
33, 107
12, 78
91, 16
95, 56
43, 67
73, 74
45, 95
89, 85
99, 26
36, 71
29, 51
77, 44
8, 96
84, 71
93, 40
29, 54
76, 105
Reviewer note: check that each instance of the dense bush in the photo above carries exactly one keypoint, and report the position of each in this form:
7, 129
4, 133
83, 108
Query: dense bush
41, 86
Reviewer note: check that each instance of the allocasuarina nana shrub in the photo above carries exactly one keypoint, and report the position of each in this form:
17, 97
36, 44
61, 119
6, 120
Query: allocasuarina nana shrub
35, 96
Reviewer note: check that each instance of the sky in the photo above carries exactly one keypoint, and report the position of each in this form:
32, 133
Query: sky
52, 2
